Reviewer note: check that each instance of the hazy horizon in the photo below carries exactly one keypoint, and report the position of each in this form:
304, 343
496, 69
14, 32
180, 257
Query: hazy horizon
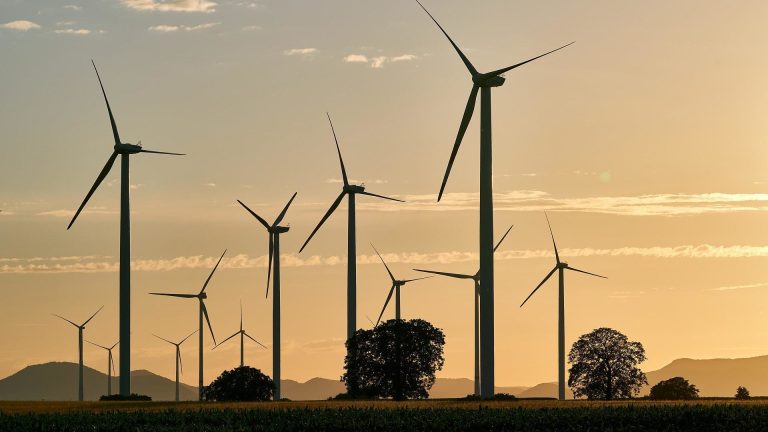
644, 141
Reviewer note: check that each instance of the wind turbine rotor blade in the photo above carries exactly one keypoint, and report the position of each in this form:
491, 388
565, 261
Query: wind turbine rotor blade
557, 255
162, 153
468, 111
99, 179
178, 357
188, 336
586, 272
222, 342
241, 315
174, 295
94, 314
539, 285
205, 285
338, 150
502, 238
95, 344
379, 196
263, 222
412, 280
113, 346
269, 264
285, 210
391, 276
325, 217
162, 338
249, 337
66, 320
506, 69
208, 320
453, 275
464, 58
112, 362
389, 297
109, 109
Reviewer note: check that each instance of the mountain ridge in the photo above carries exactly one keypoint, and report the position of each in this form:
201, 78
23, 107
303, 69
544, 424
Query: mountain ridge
713, 377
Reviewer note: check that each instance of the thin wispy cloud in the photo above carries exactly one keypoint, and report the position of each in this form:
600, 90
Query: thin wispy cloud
243, 261
167, 28
21, 25
77, 32
740, 287
204, 6
73, 7
640, 205
68, 213
356, 181
303, 52
251, 28
377, 62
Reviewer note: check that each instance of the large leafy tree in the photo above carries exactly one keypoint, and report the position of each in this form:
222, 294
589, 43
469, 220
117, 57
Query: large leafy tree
240, 384
397, 359
677, 388
604, 366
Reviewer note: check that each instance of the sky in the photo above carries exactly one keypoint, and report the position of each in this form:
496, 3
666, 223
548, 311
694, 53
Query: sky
645, 142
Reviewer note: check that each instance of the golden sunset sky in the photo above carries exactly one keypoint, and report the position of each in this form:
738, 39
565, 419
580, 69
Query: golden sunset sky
646, 141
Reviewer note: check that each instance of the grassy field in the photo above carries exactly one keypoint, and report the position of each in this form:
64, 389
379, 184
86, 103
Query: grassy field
374, 416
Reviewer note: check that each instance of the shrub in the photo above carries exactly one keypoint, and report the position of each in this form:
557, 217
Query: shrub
742, 393
240, 384
677, 388
131, 397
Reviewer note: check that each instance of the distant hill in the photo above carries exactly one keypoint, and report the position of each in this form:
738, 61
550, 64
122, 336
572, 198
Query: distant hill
717, 377
58, 381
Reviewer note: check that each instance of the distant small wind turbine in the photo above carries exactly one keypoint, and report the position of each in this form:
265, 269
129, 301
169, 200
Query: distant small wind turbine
80, 328
124, 150
274, 231
178, 358
483, 83
476, 279
560, 267
242, 334
110, 364
203, 312
396, 284
350, 190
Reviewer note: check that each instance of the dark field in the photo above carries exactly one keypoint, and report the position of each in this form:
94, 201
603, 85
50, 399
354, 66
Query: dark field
439, 416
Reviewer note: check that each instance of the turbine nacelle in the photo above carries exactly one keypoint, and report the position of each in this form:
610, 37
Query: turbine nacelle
484, 80
279, 229
350, 188
562, 265
202, 296
126, 148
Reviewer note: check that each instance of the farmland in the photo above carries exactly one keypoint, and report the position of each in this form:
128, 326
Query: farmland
437, 415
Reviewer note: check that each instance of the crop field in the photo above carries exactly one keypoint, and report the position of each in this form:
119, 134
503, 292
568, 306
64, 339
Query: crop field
438, 415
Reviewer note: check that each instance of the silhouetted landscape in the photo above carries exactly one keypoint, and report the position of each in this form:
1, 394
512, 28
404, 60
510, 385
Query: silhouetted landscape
56, 381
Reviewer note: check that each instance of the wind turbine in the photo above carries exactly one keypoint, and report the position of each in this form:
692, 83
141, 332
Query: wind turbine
350, 190
476, 280
80, 328
482, 82
124, 150
110, 364
201, 296
178, 358
560, 267
242, 334
396, 284
274, 231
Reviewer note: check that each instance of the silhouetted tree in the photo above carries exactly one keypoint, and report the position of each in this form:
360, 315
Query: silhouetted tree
742, 393
604, 366
397, 359
677, 388
240, 384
